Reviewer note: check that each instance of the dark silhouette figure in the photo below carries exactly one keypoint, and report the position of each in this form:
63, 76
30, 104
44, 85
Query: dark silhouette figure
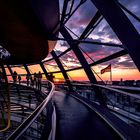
27, 78
32, 81
39, 77
15, 76
19, 78
35, 79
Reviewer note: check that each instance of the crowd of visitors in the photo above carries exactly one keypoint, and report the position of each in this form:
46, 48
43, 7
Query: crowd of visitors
35, 80
32, 80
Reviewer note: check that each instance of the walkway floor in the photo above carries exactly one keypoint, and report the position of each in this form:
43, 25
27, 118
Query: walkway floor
77, 122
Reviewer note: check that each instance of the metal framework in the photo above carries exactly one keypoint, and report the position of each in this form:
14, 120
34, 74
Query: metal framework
62, 69
120, 24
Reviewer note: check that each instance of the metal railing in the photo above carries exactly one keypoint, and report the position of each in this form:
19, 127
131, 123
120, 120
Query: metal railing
125, 104
29, 121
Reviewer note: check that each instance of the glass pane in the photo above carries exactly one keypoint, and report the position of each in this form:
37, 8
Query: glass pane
61, 46
122, 69
69, 60
133, 6
35, 68
58, 78
94, 52
48, 57
7, 71
104, 33
77, 75
9, 77
51, 66
19, 70
80, 19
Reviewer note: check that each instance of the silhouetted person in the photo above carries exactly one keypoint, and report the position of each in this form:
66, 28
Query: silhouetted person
35, 79
32, 81
27, 78
39, 77
19, 78
15, 76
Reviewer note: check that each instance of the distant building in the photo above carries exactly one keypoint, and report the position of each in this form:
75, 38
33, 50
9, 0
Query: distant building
129, 83
115, 82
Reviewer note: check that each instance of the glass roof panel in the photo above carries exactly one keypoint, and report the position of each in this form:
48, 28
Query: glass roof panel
51, 66
132, 6
77, 75
69, 60
121, 67
80, 19
58, 78
60, 47
19, 70
35, 68
93, 52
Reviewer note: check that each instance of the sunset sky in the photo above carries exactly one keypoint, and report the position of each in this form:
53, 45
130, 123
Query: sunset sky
122, 67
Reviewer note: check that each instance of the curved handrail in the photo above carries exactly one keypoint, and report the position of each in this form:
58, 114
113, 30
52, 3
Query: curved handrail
105, 87
24, 126
117, 90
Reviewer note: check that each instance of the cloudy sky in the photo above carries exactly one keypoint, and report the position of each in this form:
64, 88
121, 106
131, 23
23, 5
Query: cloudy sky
102, 33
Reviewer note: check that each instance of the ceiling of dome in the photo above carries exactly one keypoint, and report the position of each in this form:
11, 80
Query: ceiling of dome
25, 27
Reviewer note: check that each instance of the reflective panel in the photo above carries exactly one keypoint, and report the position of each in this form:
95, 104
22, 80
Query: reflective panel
9, 77
69, 60
77, 75
133, 7
58, 78
19, 70
51, 66
80, 19
35, 68
47, 58
94, 52
60, 47
122, 68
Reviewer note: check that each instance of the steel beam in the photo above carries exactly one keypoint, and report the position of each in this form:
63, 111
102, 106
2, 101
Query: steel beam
27, 69
64, 11
90, 25
44, 70
11, 71
83, 62
4, 73
62, 69
122, 26
110, 57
